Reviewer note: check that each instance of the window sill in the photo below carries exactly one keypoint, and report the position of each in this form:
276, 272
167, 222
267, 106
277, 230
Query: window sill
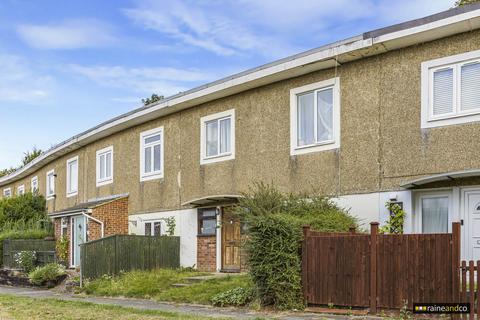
220, 158
206, 235
103, 183
51, 197
73, 194
151, 177
324, 146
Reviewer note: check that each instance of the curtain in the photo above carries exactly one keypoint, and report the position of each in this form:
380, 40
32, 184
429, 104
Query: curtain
157, 157
305, 119
225, 135
435, 215
211, 129
325, 115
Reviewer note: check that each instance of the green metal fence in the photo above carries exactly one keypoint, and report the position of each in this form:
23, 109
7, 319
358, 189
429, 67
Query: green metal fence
45, 250
113, 254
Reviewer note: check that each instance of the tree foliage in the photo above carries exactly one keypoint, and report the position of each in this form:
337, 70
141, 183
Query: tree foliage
23, 208
460, 3
274, 221
28, 157
154, 98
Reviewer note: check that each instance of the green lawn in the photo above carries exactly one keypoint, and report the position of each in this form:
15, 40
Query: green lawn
156, 285
22, 308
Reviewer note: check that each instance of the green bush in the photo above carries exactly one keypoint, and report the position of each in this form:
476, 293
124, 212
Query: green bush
49, 272
236, 297
274, 221
25, 207
26, 260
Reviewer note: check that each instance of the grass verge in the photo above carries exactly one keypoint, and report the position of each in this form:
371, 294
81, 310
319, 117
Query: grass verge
22, 308
157, 284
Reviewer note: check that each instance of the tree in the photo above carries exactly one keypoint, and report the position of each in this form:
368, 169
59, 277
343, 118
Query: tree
29, 156
154, 98
460, 3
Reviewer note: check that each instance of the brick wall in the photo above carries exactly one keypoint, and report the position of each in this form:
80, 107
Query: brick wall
114, 216
207, 253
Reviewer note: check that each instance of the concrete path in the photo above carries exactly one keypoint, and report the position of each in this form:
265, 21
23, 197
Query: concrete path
200, 310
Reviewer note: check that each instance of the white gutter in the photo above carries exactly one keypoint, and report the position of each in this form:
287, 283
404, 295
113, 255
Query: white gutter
313, 60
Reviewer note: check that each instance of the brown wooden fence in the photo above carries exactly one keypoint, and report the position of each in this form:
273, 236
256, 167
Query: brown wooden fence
469, 288
375, 270
113, 254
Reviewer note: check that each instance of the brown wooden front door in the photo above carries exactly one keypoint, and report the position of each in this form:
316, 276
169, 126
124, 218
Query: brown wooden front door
231, 241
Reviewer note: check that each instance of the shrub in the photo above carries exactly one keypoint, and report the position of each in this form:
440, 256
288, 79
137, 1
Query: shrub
26, 260
274, 221
25, 207
49, 272
236, 297
61, 247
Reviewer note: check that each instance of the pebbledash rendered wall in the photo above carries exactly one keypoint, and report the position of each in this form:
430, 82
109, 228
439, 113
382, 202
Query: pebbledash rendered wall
382, 144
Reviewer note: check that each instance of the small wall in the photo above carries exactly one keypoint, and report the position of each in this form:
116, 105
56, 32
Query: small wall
207, 253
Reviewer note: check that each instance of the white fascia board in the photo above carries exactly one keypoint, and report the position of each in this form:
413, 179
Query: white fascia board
290, 67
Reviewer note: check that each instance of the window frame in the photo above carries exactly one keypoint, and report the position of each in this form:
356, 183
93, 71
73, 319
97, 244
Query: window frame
201, 218
64, 225
32, 188
9, 192
152, 227
457, 116
295, 149
144, 135
204, 159
106, 180
20, 188
419, 197
71, 193
47, 194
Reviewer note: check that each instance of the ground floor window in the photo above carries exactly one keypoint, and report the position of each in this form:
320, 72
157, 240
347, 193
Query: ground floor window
433, 213
207, 221
153, 228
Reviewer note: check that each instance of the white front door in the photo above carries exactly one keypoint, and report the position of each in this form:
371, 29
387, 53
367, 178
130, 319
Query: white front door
79, 234
472, 225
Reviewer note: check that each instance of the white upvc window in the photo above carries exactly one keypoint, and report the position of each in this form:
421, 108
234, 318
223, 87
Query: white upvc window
72, 177
151, 154
217, 137
50, 184
104, 166
34, 184
433, 212
64, 226
153, 228
315, 117
20, 190
451, 90
7, 192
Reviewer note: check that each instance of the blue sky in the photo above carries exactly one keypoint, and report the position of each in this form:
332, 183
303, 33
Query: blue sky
66, 66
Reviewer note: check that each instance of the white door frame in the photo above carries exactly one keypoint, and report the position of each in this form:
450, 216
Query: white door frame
465, 215
72, 237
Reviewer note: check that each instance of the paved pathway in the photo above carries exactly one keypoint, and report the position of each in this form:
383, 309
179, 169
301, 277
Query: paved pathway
169, 307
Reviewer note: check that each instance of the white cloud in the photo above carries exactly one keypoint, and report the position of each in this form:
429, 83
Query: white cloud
20, 83
271, 28
70, 34
165, 81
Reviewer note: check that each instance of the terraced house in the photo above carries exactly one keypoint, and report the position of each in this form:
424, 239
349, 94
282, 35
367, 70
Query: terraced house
389, 115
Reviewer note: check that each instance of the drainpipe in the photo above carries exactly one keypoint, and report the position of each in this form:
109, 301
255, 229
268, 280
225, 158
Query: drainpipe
96, 220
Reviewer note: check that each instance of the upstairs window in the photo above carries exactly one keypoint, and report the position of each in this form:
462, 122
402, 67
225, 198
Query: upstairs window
315, 117
151, 154
104, 166
34, 184
217, 137
20, 190
451, 90
50, 187
72, 177
7, 193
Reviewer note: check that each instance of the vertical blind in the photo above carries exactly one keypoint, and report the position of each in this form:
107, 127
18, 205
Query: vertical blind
443, 92
470, 86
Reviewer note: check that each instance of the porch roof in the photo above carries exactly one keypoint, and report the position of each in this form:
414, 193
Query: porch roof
449, 176
212, 200
84, 207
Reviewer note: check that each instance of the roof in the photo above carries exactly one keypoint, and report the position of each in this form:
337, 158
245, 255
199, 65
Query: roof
449, 176
450, 22
85, 206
